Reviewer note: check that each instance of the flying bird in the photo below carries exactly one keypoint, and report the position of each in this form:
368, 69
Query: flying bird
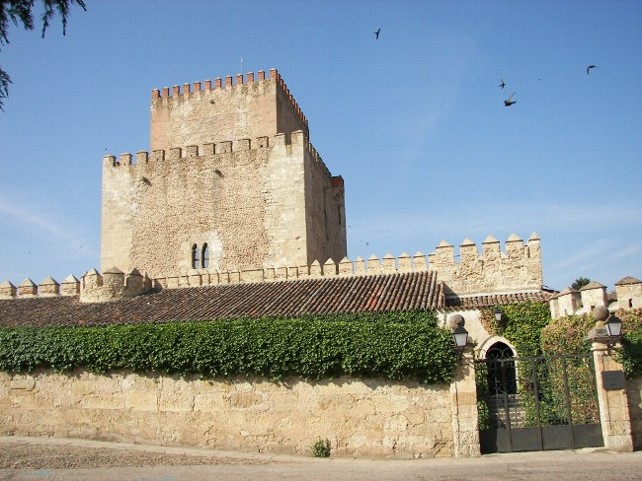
377, 34
588, 69
502, 84
509, 101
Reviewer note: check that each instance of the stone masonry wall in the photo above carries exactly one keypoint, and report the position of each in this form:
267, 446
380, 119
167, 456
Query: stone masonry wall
361, 418
325, 212
634, 393
246, 199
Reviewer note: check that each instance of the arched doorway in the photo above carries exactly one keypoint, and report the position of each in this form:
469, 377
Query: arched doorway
501, 375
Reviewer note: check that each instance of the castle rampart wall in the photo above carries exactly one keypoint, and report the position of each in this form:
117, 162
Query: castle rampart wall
518, 268
509, 274
210, 113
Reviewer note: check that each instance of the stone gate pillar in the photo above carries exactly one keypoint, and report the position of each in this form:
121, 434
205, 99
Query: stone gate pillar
613, 402
463, 403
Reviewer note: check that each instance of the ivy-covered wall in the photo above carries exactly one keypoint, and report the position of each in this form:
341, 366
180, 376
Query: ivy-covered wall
530, 328
373, 385
390, 346
521, 324
631, 356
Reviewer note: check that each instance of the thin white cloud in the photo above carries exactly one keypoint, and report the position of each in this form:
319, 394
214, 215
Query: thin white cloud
36, 222
603, 261
635, 248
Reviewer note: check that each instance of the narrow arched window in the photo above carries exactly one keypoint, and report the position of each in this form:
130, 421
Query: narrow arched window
195, 257
205, 256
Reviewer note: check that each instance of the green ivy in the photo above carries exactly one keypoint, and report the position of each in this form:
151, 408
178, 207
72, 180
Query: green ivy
529, 327
568, 335
631, 353
521, 324
408, 346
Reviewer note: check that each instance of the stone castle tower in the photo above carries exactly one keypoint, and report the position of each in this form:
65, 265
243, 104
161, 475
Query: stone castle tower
231, 183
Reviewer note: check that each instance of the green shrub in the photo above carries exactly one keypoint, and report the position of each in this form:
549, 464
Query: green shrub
321, 448
567, 335
631, 353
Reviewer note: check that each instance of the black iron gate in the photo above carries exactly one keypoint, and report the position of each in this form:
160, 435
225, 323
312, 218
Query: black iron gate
537, 403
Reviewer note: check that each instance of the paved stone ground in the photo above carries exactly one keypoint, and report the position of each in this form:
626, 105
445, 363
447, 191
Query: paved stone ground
44, 459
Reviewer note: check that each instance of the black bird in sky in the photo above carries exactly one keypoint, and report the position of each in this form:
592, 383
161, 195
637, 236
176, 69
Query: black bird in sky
509, 101
502, 84
588, 69
377, 34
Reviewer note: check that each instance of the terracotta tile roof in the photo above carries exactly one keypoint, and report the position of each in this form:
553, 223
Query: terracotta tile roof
489, 300
381, 293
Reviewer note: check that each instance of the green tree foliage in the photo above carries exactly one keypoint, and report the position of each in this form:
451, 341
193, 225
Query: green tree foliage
20, 12
273, 348
580, 282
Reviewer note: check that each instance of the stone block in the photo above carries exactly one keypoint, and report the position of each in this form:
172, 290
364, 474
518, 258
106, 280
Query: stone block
26, 383
210, 402
104, 401
140, 400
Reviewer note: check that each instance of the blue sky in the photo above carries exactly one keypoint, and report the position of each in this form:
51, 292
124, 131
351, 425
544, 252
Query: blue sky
414, 121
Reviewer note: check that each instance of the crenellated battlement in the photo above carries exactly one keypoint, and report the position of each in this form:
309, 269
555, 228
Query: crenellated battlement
49, 287
569, 301
518, 267
93, 286
443, 261
113, 283
240, 106
343, 268
297, 138
274, 74
223, 152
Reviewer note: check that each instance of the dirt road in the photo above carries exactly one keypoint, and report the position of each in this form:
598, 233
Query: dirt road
44, 459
